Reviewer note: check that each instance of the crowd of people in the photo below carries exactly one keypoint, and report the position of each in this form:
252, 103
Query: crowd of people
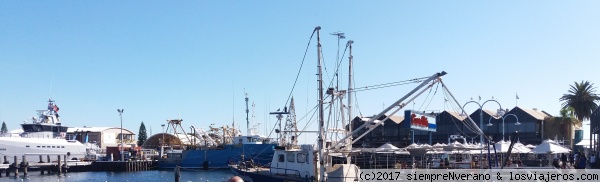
575, 161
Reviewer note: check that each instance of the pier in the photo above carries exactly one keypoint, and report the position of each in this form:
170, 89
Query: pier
63, 166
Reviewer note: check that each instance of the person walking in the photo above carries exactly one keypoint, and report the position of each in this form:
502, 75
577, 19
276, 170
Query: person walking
572, 160
563, 159
580, 162
593, 161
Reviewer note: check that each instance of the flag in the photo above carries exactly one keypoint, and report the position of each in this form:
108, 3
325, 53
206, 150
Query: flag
55, 108
517, 95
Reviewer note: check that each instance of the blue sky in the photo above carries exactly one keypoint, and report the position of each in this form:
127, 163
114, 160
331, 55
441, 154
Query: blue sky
194, 59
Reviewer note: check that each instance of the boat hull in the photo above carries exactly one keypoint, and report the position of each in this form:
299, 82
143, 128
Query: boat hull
219, 158
255, 176
32, 148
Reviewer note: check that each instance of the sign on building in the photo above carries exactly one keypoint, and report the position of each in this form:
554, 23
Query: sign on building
418, 122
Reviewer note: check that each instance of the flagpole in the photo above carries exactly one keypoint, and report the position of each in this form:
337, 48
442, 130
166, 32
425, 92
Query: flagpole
516, 99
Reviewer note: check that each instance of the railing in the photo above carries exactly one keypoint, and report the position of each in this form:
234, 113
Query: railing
285, 171
126, 141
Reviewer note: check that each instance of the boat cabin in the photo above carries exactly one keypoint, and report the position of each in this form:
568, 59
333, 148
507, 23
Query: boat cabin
294, 162
255, 139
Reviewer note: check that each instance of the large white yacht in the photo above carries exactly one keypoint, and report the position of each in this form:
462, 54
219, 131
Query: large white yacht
44, 136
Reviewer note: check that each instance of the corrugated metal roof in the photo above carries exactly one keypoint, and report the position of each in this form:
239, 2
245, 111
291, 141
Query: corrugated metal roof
539, 115
96, 129
397, 119
456, 115
90, 129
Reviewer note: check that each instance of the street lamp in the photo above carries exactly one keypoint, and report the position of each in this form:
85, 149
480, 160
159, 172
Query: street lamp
481, 125
503, 118
481, 114
122, 147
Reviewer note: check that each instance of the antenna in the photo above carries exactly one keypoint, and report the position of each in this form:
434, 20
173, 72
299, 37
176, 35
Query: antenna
340, 35
247, 112
233, 104
51, 83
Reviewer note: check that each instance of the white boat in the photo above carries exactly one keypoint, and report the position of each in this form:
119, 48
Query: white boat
43, 136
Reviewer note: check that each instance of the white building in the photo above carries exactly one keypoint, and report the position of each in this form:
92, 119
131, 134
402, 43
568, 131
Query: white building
103, 136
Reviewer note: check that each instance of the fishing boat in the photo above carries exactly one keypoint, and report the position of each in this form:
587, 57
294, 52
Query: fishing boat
292, 162
215, 149
44, 135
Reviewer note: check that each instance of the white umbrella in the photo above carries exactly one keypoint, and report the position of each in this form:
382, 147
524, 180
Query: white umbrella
520, 148
550, 147
530, 146
414, 145
501, 146
454, 146
386, 148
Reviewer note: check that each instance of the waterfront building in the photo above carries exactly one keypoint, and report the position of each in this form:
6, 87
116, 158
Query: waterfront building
535, 126
102, 136
595, 128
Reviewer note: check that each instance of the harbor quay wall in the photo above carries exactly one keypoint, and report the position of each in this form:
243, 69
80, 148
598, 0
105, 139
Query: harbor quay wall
15, 165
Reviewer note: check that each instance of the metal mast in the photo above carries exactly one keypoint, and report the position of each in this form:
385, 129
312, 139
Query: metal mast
247, 120
350, 116
321, 140
291, 129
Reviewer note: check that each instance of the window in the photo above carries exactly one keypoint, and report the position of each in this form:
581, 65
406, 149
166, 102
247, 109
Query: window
301, 158
281, 158
38, 146
26, 145
53, 146
291, 157
62, 147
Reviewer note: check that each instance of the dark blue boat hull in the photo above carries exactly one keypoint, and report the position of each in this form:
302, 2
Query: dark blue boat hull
220, 158
256, 177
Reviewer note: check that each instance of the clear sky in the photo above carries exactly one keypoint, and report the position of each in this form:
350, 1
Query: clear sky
195, 59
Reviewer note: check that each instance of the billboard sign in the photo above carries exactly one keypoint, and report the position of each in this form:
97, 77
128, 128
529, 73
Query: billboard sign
418, 122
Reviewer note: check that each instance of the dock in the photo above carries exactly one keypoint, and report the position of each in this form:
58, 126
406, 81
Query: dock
64, 166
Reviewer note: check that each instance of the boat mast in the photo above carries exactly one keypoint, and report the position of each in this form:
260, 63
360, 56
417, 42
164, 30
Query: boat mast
247, 120
321, 140
350, 116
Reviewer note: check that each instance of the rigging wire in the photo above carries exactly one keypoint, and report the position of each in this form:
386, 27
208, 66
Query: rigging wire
452, 117
468, 123
434, 94
355, 97
391, 84
427, 97
339, 63
299, 70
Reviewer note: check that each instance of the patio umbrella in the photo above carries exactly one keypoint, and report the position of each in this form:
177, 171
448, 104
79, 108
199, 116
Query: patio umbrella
530, 146
550, 147
386, 148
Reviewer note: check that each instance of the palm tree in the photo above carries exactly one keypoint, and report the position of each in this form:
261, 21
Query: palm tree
566, 120
582, 98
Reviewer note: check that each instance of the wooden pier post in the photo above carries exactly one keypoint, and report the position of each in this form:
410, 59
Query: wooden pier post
177, 174
65, 164
41, 161
48, 156
6, 160
24, 165
15, 165
59, 165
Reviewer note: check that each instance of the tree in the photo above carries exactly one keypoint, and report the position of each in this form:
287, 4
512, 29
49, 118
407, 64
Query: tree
142, 136
582, 98
566, 121
4, 129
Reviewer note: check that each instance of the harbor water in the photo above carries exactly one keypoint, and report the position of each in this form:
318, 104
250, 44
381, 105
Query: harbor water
142, 176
